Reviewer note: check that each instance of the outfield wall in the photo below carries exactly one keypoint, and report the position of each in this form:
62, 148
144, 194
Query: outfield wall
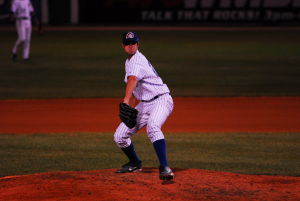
162, 12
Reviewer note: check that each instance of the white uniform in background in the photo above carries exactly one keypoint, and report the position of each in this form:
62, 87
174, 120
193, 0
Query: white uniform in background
22, 10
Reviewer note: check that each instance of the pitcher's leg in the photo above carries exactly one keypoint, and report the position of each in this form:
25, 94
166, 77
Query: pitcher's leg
157, 118
159, 114
122, 138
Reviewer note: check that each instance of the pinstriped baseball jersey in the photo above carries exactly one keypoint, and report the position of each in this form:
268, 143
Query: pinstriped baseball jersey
149, 83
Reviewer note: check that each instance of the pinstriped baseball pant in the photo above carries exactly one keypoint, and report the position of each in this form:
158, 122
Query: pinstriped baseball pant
152, 115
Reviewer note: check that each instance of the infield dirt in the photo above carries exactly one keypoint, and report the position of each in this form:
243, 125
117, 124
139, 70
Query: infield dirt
236, 114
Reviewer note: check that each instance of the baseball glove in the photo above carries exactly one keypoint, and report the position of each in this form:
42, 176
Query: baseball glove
128, 115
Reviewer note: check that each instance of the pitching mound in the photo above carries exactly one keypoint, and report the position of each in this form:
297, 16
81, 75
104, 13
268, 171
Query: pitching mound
189, 184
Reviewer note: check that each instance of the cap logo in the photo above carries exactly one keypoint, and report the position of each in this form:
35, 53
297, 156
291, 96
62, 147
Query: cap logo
129, 35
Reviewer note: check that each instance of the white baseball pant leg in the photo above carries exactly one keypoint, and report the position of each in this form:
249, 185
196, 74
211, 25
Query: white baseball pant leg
24, 36
151, 114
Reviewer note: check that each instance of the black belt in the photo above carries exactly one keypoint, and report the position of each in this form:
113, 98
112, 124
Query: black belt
155, 97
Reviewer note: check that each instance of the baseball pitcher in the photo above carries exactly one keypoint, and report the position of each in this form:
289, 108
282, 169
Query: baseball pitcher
22, 10
155, 104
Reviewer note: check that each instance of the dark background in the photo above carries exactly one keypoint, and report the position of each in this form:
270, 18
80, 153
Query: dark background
149, 12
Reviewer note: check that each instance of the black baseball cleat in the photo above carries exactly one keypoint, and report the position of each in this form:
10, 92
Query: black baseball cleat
130, 167
14, 57
165, 173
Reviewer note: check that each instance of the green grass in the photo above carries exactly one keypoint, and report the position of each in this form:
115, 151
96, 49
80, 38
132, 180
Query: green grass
193, 63
250, 153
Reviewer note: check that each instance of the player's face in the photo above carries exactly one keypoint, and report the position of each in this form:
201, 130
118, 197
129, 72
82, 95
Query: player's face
130, 49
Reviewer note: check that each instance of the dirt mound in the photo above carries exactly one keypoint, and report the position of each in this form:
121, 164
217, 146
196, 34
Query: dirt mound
189, 184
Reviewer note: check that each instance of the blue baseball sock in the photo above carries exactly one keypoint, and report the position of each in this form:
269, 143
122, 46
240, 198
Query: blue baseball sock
130, 153
160, 149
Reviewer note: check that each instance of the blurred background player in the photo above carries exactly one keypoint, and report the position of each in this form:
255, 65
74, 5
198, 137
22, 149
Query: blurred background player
155, 104
22, 11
